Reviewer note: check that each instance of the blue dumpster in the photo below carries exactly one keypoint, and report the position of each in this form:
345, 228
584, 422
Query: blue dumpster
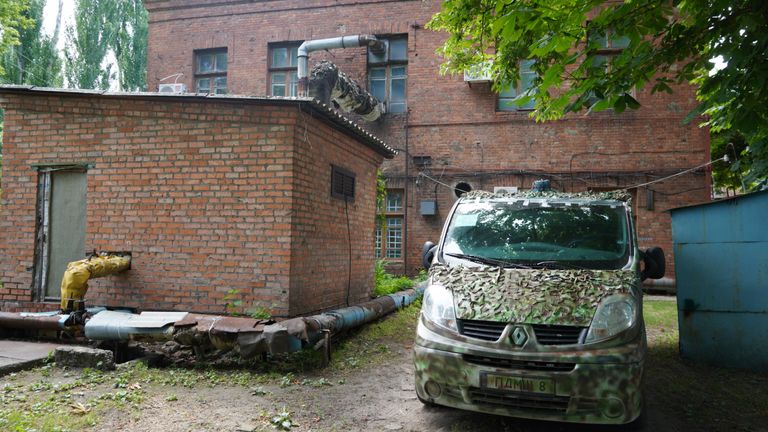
721, 267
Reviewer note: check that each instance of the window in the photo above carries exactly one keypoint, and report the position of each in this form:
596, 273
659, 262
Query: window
507, 97
377, 245
387, 73
607, 46
395, 237
211, 71
392, 231
342, 183
283, 61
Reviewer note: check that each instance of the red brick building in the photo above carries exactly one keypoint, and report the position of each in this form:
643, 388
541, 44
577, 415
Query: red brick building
452, 132
219, 199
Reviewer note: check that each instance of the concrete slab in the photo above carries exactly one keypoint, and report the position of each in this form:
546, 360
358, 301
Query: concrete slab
19, 355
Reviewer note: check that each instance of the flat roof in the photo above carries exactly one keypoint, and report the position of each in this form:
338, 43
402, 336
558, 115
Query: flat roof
326, 113
721, 200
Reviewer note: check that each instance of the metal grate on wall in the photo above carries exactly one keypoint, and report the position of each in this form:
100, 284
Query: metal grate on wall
342, 183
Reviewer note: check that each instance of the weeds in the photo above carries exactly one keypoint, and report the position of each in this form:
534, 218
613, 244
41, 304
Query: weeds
386, 283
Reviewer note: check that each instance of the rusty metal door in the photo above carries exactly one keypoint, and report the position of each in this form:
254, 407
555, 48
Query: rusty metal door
61, 227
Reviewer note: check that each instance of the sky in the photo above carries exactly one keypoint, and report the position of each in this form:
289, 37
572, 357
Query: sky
49, 17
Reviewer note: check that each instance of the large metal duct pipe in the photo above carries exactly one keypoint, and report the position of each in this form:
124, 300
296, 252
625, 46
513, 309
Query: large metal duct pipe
330, 43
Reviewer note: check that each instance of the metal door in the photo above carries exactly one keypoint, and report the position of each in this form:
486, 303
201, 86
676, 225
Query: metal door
62, 225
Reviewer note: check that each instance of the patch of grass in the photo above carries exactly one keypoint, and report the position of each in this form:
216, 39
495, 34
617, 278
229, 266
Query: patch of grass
660, 313
372, 344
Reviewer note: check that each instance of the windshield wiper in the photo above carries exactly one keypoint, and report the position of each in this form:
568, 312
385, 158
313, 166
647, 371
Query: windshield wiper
558, 264
488, 261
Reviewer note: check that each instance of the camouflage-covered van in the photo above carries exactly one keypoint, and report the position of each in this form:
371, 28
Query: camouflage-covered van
534, 308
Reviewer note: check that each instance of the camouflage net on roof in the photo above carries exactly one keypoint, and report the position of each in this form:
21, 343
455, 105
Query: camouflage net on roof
533, 296
617, 195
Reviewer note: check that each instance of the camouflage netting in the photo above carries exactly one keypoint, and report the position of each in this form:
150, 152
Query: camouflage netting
327, 82
532, 296
617, 195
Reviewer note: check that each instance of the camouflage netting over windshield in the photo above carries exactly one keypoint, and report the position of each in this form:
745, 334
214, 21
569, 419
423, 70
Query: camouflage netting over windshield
533, 296
618, 195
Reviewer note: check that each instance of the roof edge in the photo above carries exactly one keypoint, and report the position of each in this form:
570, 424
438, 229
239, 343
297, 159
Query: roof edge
336, 119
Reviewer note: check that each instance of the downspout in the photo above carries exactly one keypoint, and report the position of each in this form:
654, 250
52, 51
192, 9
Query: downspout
330, 43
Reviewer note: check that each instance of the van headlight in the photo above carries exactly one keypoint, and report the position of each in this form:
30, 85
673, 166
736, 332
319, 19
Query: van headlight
615, 314
437, 307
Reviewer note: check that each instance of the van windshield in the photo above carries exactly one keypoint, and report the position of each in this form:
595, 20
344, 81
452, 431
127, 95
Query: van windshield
539, 234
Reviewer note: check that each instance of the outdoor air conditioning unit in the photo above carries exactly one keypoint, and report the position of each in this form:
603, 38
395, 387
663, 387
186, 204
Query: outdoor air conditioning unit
479, 73
175, 88
508, 190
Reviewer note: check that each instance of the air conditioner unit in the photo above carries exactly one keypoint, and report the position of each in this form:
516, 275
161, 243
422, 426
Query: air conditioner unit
505, 190
478, 73
175, 88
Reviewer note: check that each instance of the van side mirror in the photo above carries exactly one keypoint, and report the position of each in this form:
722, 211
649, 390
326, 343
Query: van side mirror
428, 254
654, 263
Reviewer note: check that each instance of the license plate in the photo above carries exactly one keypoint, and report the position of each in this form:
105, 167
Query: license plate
519, 384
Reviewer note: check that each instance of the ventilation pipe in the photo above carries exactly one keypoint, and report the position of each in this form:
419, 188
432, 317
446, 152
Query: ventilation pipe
330, 43
75, 282
328, 83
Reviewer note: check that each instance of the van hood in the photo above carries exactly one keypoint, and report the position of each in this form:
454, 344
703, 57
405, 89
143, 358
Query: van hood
531, 296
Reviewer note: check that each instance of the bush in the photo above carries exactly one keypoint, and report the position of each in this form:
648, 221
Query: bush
387, 283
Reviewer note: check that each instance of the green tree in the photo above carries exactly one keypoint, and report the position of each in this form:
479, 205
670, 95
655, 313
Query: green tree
663, 43
35, 59
130, 45
96, 24
12, 18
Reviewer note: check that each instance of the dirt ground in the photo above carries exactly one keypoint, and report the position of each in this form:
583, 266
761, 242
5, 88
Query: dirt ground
367, 387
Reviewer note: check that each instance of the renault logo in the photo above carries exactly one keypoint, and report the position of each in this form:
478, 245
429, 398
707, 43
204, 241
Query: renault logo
519, 336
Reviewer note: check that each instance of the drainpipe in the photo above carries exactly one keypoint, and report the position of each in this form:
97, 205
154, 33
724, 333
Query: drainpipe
330, 43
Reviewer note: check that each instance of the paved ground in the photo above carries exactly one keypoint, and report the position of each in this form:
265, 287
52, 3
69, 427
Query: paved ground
18, 355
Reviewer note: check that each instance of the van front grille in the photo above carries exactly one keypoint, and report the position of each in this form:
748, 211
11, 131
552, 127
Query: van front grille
520, 401
519, 364
558, 334
485, 330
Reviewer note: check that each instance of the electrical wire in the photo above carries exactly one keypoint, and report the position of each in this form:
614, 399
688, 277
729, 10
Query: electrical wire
673, 175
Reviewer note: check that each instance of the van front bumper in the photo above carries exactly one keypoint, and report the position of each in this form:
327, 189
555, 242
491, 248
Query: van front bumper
579, 386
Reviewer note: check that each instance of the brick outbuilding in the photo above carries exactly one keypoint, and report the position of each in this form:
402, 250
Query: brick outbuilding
247, 201
455, 132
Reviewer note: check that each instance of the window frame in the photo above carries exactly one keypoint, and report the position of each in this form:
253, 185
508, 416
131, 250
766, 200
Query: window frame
383, 246
213, 76
511, 105
290, 81
390, 66
606, 52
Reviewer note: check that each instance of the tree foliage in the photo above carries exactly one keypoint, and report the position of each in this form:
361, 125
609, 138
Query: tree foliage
34, 60
88, 43
12, 18
130, 45
101, 27
667, 42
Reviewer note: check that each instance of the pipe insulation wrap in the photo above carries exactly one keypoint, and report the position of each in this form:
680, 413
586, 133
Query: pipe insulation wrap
74, 284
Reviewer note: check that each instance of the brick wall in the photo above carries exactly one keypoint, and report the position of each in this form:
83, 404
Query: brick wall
202, 193
457, 125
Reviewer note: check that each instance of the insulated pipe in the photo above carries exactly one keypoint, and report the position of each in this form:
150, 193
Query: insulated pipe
297, 333
330, 43
74, 284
